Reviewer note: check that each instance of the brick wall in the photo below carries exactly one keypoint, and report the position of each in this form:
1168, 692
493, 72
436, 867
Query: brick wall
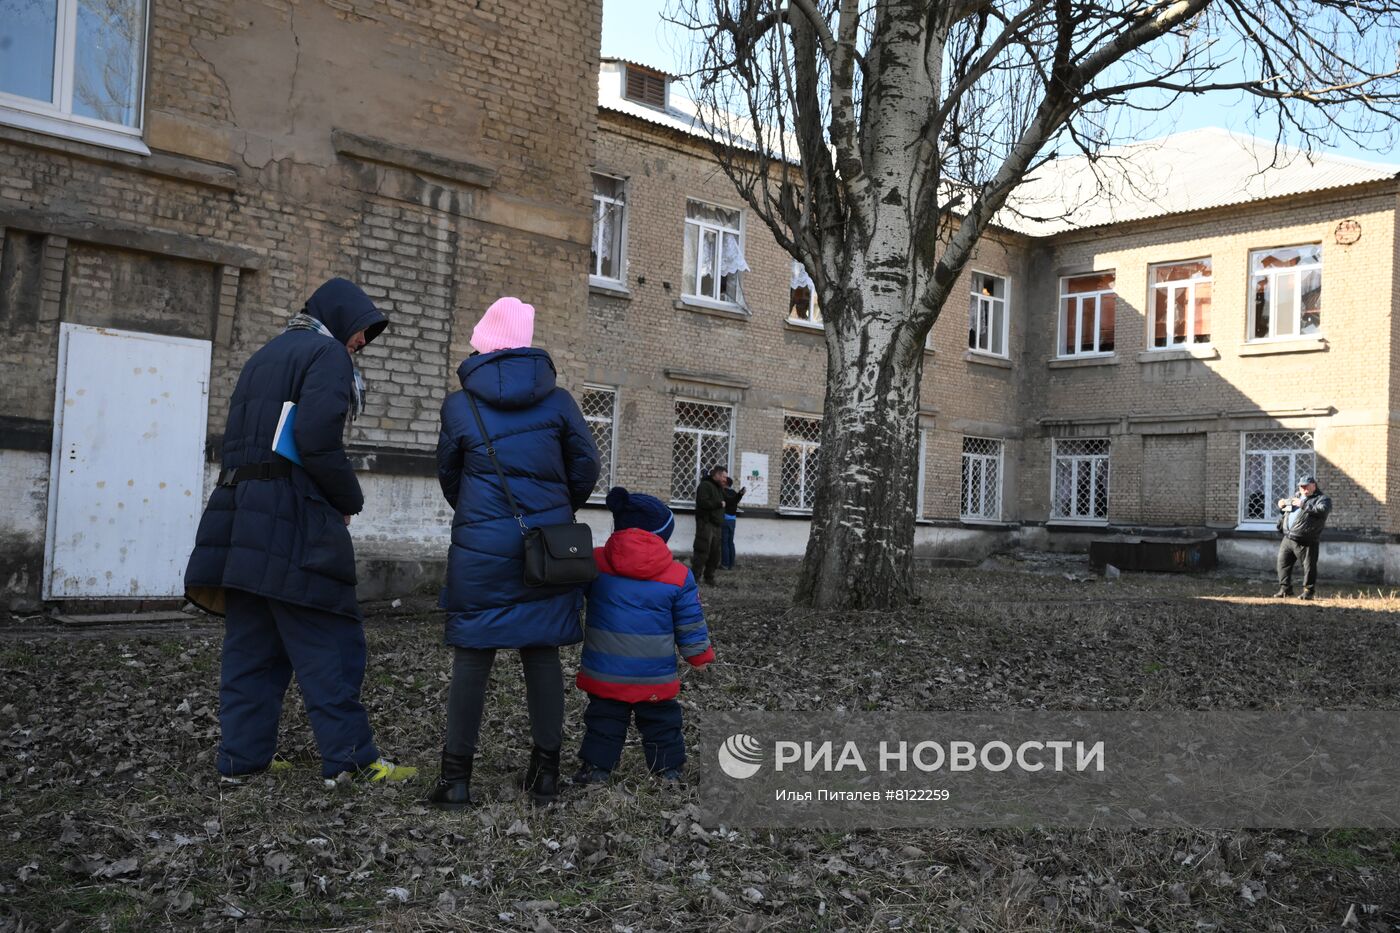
1174, 421
437, 153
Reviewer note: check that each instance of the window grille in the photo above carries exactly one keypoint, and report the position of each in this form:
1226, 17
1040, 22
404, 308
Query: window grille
701, 442
981, 478
599, 406
1079, 484
1271, 464
801, 462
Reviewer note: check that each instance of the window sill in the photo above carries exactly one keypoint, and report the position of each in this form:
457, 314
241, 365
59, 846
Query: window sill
1076, 362
804, 327
1077, 523
56, 125
1202, 351
785, 512
1289, 345
610, 288
984, 522
701, 306
987, 359
1269, 528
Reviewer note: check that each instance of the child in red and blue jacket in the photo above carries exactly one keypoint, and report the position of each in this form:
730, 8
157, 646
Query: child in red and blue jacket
641, 609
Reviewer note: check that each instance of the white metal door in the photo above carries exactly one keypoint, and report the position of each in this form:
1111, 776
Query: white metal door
126, 480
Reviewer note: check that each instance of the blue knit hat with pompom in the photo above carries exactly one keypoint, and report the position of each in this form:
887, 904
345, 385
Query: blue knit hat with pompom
638, 510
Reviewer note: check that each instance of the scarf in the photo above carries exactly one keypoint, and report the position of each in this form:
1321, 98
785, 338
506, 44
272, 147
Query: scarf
357, 394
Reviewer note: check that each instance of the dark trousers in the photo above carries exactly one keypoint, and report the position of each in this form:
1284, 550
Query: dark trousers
659, 723
1290, 552
726, 554
705, 560
544, 697
265, 642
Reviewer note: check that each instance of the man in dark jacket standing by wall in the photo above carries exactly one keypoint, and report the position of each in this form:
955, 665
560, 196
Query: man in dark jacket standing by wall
709, 524
1301, 523
273, 553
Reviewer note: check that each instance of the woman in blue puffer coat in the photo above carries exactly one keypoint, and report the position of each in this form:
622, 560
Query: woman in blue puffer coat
551, 463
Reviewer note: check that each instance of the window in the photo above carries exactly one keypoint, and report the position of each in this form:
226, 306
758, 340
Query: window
1271, 464
74, 67
599, 406
1079, 482
802, 449
802, 297
609, 223
714, 253
645, 86
986, 317
923, 464
1180, 304
1086, 314
701, 442
1287, 287
981, 479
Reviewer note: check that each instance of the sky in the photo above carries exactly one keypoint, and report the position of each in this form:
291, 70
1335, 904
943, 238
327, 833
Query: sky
634, 29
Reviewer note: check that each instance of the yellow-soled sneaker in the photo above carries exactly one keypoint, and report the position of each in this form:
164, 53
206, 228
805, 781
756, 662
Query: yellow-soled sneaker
375, 772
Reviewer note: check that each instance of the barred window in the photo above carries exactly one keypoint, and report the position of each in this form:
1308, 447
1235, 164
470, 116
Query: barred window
802, 448
702, 442
923, 465
1079, 481
599, 406
981, 478
609, 224
1271, 464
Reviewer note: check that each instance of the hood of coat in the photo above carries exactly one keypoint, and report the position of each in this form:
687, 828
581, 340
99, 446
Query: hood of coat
346, 310
509, 379
637, 554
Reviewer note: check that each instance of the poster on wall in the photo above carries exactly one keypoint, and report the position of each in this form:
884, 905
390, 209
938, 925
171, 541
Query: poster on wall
753, 475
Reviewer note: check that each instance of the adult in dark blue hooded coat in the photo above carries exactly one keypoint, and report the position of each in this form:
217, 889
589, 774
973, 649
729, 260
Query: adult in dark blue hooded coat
547, 452
273, 551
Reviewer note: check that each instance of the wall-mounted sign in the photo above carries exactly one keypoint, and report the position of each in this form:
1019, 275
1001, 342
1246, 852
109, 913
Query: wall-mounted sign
1348, 232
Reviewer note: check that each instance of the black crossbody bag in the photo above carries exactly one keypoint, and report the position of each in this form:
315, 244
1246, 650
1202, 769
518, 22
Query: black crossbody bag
555, 555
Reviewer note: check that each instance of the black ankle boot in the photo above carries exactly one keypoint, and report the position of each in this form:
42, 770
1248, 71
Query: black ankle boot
453, 788
541, 778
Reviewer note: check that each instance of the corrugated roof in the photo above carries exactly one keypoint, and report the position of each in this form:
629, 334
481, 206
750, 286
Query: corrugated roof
1188, 171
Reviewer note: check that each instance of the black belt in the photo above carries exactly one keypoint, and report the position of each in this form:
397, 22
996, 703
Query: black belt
273, 469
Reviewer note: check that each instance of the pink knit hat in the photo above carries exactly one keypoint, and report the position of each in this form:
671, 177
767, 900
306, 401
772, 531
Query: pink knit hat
506, 325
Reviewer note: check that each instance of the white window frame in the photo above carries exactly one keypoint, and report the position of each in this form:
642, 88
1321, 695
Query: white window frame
1272, 276
992, 302
1189, 285
806, 447
815, 320
55, 117
923, 466
594, 278
1000, 460
1269, 524
1075, 459
701, 432
1079, 297
701, 227
611, 465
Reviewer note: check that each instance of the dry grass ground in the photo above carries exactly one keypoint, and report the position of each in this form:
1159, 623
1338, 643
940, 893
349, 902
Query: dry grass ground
113, 820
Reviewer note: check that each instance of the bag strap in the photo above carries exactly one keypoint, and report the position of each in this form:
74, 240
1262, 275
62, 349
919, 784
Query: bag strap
491, 452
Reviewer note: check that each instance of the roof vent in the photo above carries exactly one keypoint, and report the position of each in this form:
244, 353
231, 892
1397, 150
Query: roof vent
645, 86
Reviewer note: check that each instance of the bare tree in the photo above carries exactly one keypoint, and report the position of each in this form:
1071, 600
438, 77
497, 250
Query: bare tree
878, 140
